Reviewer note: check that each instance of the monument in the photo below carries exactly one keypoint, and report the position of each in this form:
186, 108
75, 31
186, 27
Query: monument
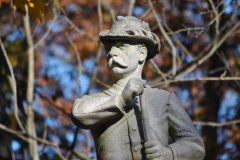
131, 120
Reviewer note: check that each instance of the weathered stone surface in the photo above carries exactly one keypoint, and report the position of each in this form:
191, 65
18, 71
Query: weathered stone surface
131, 120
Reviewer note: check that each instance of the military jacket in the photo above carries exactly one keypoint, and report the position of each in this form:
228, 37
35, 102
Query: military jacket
118, 133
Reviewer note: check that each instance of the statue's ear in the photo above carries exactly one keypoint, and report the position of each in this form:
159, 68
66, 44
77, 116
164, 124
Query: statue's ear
143, 54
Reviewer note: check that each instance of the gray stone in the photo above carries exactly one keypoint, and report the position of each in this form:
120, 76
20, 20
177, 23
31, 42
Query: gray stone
131, 120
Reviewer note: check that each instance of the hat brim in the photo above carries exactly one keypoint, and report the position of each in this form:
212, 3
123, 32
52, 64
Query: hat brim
152, 47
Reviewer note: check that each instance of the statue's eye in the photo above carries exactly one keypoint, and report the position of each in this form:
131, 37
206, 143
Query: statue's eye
123, 46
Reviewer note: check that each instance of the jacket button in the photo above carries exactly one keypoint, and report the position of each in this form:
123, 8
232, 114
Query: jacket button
134, 128
135, 149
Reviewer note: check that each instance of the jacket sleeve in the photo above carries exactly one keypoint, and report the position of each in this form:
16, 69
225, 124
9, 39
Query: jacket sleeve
91, 111
188, 144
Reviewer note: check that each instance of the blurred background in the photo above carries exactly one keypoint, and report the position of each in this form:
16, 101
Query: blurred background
50, 55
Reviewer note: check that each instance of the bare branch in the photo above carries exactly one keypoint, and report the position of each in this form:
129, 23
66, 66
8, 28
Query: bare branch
30, 127
88, 135
149, 10
79, 30
179, 43
48, 30
44, 136
231, 18
214, 124
216, 36
222, 57
79, 154
199, 79
158, 70
35, 29
21, 135
131, 6
59, 153
217, 70
108, 7
212, 21
185, 30
100, 21
200, 60
174, 68
216, 14
103, 84
13, 86
73, 143
78, 59
210, 11
17, 133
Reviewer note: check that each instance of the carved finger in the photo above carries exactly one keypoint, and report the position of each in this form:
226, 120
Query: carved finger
149, 144
144, 83
153, 156
151, 150
137, 90
140, 84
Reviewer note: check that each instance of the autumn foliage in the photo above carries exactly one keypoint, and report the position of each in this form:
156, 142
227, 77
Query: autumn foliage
203, 42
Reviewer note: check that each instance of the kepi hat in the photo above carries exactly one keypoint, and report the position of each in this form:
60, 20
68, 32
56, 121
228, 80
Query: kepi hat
133, 29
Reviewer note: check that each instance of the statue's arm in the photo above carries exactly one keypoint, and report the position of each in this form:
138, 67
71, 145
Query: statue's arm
188, 144
91, 111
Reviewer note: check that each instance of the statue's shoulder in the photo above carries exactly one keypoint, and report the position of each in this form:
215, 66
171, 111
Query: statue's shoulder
100, 94
157, 91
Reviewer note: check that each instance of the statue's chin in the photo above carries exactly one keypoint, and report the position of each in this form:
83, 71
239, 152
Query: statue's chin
117, 70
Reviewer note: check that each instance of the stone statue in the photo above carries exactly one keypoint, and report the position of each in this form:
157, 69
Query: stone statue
114, 116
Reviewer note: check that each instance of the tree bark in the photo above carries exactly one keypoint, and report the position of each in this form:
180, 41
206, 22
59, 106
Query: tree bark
30, 127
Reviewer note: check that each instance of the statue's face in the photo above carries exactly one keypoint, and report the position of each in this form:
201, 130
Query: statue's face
122, 57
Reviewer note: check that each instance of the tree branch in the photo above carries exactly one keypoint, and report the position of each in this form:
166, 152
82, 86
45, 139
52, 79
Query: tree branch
149, 10
212, 21
200, 60
214, 124
231, 18
158, 70
103, 84
174, 68
13, 86
130, 7
198, 79
179, 43
73, 144
185, 30
100, 21
48, 30
78, 59
216, 14
23, 137
108, 7
32, 144
223, 58
78, 30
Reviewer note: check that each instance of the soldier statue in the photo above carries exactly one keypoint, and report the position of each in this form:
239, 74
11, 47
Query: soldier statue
115, 116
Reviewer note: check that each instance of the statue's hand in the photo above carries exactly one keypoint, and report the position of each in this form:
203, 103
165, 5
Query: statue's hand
156, 151
134, 87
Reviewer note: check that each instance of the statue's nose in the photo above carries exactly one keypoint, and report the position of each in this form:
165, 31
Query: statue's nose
112, 52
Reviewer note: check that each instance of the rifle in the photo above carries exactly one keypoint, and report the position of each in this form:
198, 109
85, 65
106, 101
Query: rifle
145, 120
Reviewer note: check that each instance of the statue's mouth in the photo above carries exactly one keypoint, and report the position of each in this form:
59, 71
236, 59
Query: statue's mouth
117, 62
